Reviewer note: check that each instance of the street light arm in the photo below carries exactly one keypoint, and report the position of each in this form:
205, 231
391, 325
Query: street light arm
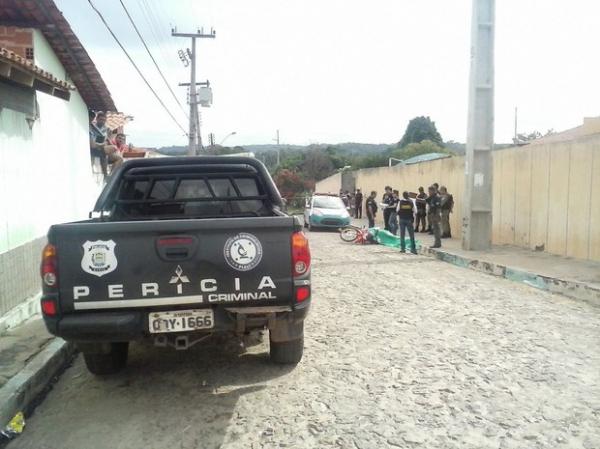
228, 136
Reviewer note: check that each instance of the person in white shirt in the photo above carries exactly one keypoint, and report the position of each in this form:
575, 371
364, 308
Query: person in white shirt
407, 210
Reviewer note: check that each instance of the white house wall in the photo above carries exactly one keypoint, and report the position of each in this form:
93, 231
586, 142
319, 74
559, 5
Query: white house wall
45, 175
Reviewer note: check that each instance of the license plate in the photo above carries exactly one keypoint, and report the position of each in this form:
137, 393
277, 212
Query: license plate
181, 320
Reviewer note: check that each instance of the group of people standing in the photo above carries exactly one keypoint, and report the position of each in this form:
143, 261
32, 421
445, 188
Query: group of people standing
407, 212
427, 215
353, 202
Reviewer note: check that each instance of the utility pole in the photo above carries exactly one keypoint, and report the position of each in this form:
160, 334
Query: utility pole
516, 122
194, 137
278, 149
477, 214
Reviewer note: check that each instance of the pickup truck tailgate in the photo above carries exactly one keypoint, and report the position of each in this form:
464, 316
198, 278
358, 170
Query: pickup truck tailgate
166, 263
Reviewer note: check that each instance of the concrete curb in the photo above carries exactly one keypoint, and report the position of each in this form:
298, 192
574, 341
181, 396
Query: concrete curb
20, 313
21, 390
572, 289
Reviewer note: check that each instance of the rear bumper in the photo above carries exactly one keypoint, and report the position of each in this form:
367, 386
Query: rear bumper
328, 222
133, 325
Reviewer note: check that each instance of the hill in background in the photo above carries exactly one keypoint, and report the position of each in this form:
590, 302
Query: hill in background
349, 148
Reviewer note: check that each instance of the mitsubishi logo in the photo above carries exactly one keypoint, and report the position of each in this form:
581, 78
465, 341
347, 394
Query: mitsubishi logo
179, 279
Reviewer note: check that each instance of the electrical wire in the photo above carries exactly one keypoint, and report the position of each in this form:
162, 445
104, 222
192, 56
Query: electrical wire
159, 41
162, 39
155, 26
136, 67
152, 57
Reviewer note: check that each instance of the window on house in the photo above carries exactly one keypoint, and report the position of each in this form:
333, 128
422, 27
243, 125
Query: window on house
29, 53
17, 98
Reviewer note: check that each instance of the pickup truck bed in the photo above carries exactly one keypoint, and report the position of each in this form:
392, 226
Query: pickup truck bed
180, 248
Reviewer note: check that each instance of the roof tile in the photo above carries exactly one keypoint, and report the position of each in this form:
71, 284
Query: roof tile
45, 16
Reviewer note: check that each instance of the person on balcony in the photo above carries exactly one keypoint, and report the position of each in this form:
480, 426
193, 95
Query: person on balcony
99, 144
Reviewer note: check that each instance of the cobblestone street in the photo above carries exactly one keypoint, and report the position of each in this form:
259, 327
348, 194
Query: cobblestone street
401, 351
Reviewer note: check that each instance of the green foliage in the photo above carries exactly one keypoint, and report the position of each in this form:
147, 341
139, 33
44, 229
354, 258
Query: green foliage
338, 158
297, 168
370, 161
455, 147
420, 129
416, 149
317, 164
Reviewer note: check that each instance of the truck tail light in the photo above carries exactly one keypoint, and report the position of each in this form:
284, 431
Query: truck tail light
49, 306
49, 266
302, 293
300, 254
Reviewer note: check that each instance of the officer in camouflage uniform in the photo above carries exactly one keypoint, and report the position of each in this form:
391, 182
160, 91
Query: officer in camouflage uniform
435, 209
447, 207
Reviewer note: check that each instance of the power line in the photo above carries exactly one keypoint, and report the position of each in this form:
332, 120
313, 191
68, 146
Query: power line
158, 40
151, 57
135, 66
155, 26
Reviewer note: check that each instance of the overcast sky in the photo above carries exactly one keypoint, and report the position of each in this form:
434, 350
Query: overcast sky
345, 70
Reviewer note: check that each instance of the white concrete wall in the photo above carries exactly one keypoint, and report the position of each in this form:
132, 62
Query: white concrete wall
45, 174
333, 184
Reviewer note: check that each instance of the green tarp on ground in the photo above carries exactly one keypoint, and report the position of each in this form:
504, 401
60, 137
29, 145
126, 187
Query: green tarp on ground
386, 238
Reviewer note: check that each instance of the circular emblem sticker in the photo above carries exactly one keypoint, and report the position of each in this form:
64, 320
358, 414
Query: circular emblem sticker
243, 251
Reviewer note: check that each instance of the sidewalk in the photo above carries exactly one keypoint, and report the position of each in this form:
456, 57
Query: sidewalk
578, 279
29, 359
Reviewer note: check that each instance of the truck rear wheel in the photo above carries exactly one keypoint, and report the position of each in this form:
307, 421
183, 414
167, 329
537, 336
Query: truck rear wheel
287, 352
107, 362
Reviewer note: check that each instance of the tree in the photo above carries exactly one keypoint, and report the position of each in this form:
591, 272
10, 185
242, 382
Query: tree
289, 183
317, 165
290, 159
338, 159
420, 129
416, 149
370, 161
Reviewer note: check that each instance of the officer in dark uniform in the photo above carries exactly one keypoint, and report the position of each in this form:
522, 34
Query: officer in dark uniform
436, 186
393, 219
406, 215
388, 200
371, 208
421, 211
358, 199
435, 211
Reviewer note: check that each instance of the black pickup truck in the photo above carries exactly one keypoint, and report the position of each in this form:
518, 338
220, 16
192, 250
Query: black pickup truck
177, 249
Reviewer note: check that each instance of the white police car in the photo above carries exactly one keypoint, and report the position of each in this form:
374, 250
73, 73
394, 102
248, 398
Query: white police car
325, 211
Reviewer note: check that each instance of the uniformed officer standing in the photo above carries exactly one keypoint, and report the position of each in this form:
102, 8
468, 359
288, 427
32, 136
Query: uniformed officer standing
436, 186
371, 209
447, 201
387, 201
421, 211
358, 199
406, 215
393, 219
435, 211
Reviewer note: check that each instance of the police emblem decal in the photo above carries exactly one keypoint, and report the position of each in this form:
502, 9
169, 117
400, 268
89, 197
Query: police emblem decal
99, 257
243, 251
